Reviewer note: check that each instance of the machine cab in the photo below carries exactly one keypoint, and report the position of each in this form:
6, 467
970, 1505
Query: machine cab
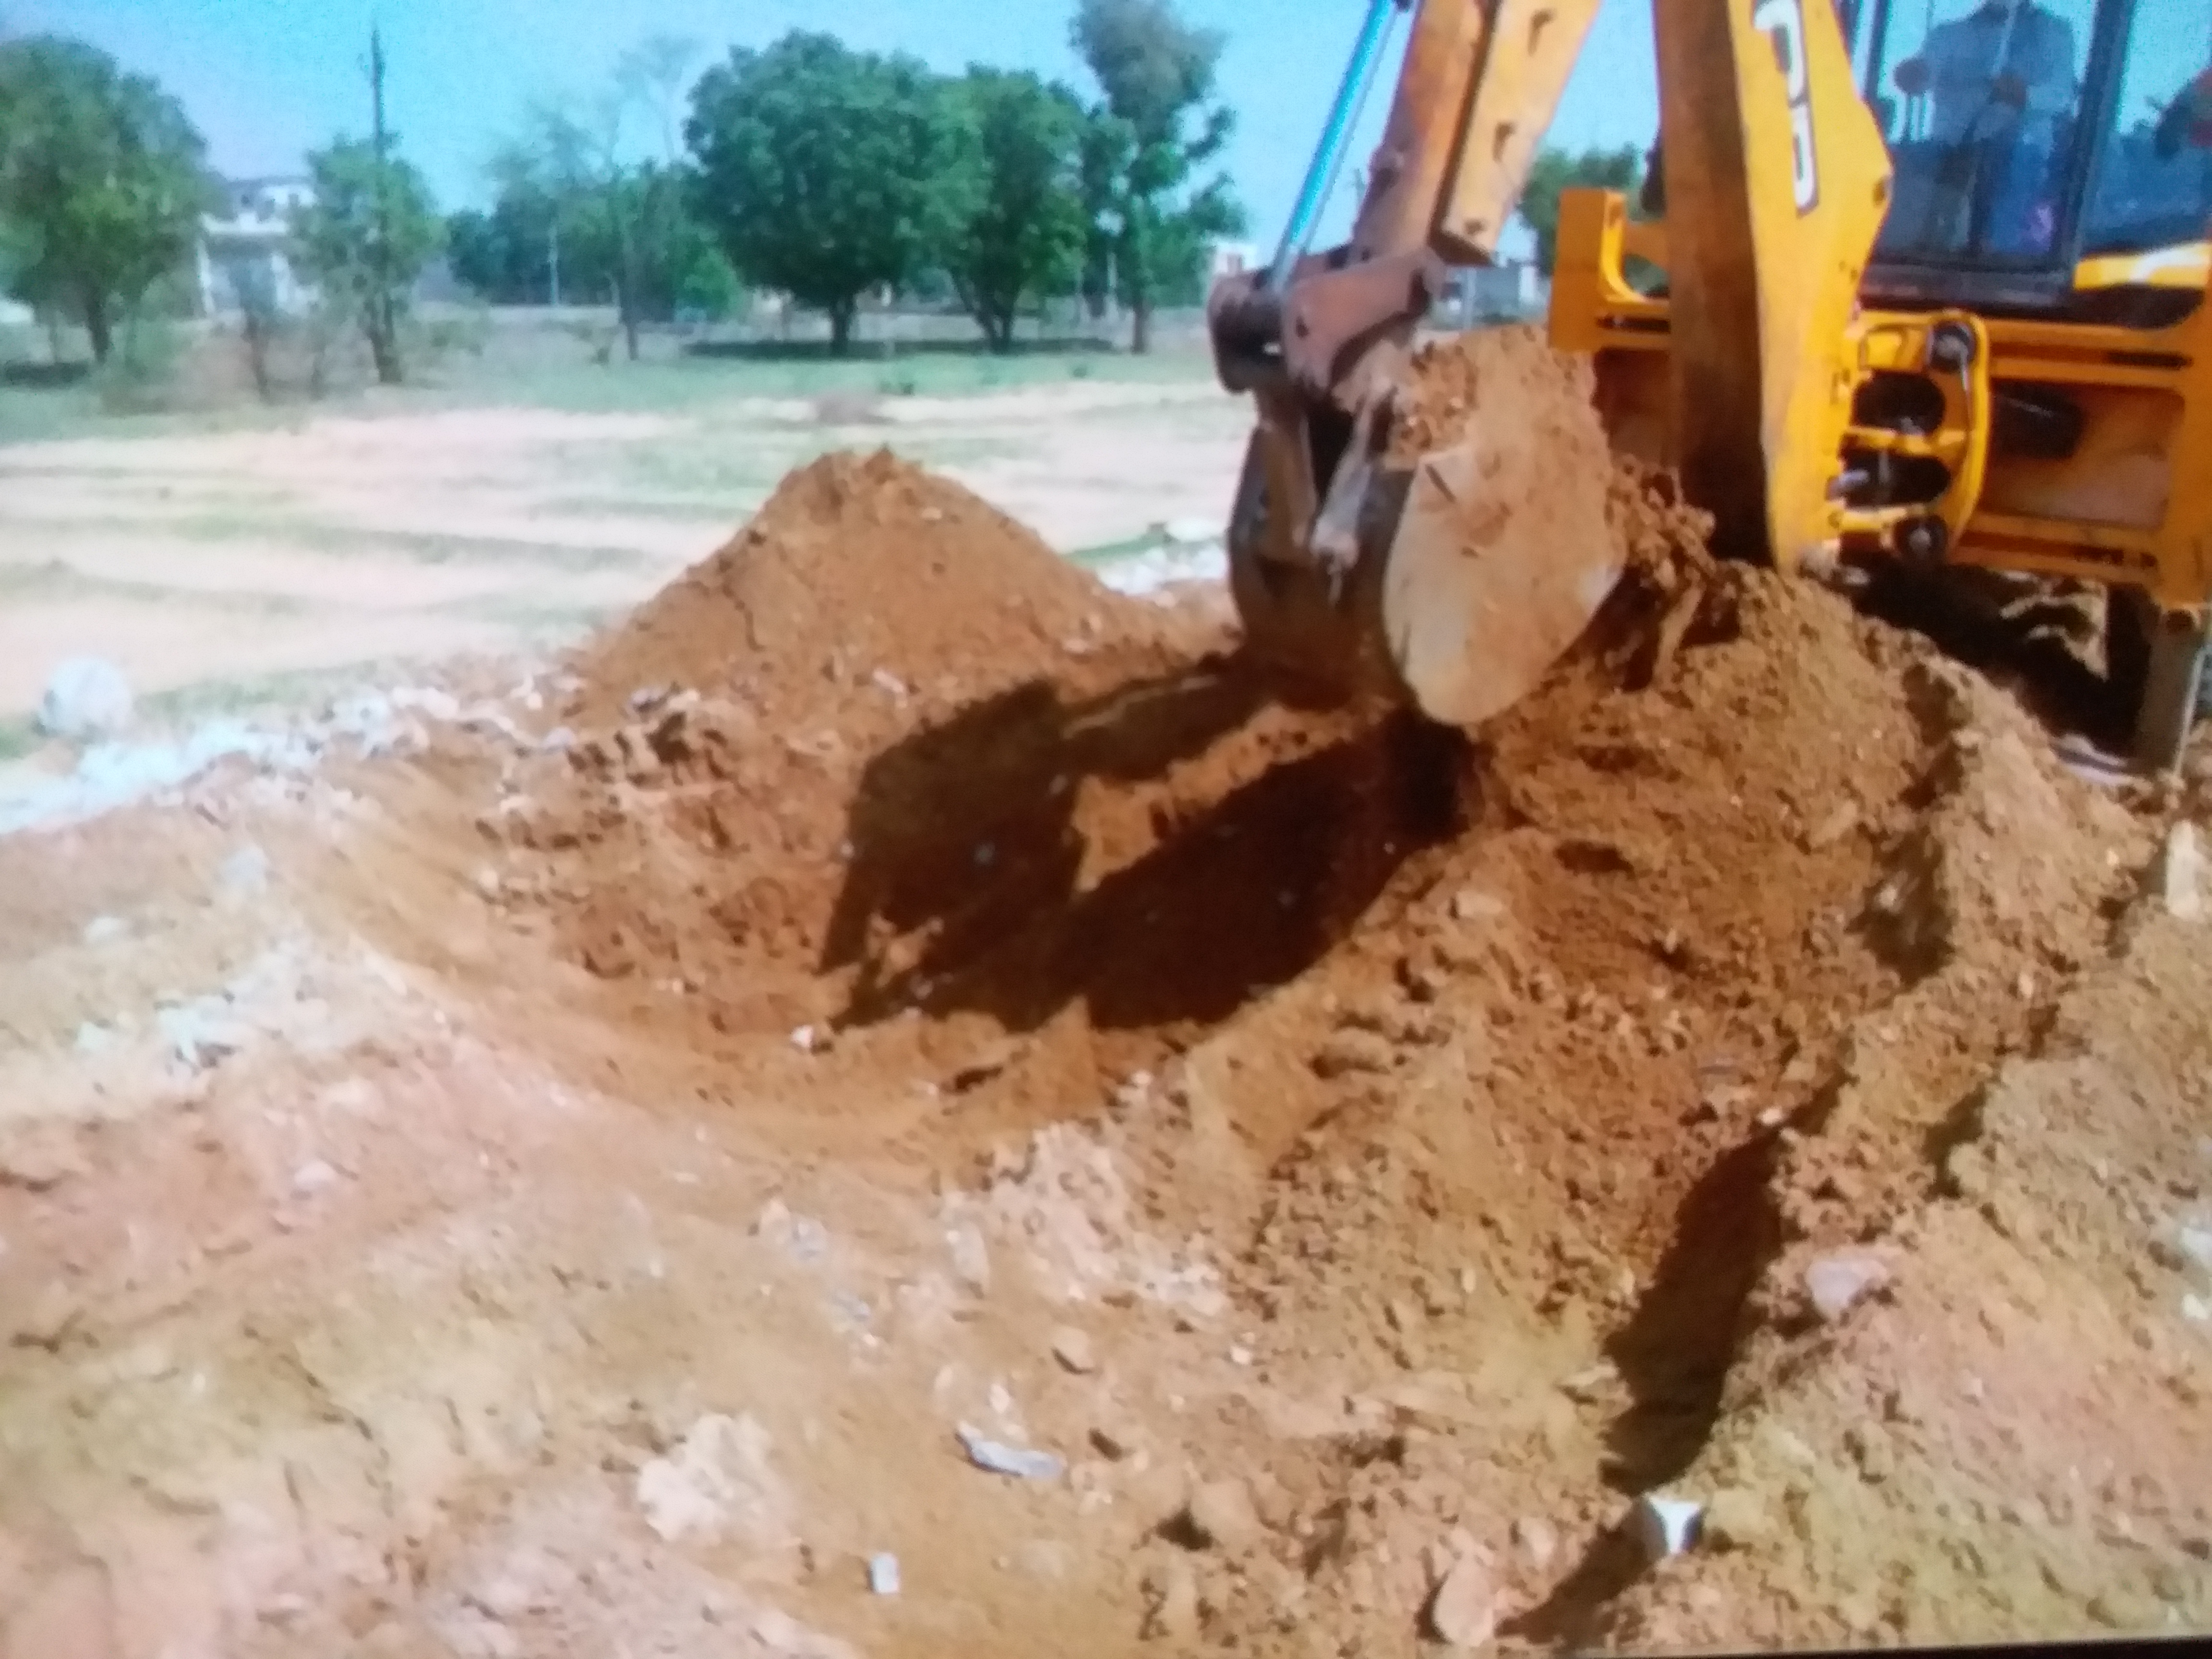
2042, 148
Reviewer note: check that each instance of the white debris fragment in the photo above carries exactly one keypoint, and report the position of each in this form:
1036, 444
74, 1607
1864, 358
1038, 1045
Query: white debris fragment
2195, 1243
716, 1482
802, 1039
883, 1573
86, 699
1664, 1526
2181, 874
1021, 1463
93, 1039
2195, 1310
106, 930
971, 1257
315, 1175
1837, 1282
1463, 1612
246, 871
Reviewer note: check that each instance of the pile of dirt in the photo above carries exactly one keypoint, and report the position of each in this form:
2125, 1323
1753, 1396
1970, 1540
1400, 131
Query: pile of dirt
863, 574
1563, 1046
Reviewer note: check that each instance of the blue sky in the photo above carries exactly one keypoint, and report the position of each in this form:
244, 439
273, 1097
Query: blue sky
265, 79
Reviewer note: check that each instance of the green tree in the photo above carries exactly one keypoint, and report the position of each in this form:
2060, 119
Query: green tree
369, 232
102, 180
1554, 171
1156, 127
1022, 234
827, 172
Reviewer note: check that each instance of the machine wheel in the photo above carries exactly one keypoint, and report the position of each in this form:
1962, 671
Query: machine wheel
2157, 672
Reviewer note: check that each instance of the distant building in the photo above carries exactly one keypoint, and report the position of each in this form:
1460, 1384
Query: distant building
246, 248
1508, 291
1231, 259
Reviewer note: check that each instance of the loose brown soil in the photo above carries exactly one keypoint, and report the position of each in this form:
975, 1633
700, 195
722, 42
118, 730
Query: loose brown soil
1436, 1133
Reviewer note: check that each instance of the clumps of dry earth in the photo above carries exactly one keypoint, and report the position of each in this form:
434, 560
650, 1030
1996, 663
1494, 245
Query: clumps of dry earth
898, 1104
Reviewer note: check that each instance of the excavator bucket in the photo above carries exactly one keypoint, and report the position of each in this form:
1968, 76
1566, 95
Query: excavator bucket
1444, 557
1502, 557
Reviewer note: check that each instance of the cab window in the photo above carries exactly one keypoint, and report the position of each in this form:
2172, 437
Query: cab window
2153, 183
1980, 102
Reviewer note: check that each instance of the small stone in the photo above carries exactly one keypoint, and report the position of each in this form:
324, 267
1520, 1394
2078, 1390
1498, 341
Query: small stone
488, 884
87, 699
1071, 1347
1115, 1441
1838, 1281
1170, 1602
246, 871
1833, 828
1664, 1527
2196, 1245
883, 1573
1221, 1516
93, 1039
2195, 1310
971, 1258
1353, 1052
1021, 1462
315, 1175
2181, 874
1593, 1384
106, 930
559, 740
802, 1039
1733, 1520
1463, 1612
1471, 904
1537, 1538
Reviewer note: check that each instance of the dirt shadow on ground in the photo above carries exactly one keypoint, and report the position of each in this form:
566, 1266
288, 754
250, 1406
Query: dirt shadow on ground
2039, 640
1675, 1352
966, 845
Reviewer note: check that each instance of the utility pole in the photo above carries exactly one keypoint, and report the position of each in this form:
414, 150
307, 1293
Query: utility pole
384, 334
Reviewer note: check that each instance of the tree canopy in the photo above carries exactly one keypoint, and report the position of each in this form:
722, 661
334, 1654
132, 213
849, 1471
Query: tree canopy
1021, 232
827, 172
1556, 171
102, 182
1155, 128
364, 239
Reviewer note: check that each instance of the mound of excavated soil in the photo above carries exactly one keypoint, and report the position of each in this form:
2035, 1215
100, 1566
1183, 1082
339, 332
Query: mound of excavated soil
1478, 1055
860, 575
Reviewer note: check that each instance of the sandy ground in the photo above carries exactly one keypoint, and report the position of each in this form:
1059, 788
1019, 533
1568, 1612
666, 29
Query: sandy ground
973, 1084
239, 567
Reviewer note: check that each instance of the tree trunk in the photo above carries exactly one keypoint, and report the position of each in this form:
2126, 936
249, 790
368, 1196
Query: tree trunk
841, 328
383, 332
1140, 326
96, 324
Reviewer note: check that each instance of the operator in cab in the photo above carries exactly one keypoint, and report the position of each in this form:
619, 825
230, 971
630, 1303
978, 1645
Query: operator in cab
2187, 122
2001, 84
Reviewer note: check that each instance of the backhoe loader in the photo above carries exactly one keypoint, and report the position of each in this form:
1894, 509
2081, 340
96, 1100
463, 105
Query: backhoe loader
1931, 288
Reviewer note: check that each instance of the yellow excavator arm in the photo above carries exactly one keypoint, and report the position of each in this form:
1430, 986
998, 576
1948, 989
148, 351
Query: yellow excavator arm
1759, 375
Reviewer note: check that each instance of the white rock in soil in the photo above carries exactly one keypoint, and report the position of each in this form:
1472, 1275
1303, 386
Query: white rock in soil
106, 930
1838, 1281
315, 1175
87, 699
1463, 1612
1665, 1526
1538, 1539
883, 1573
971, 1257
2181, 874
246, 871
716, 1481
